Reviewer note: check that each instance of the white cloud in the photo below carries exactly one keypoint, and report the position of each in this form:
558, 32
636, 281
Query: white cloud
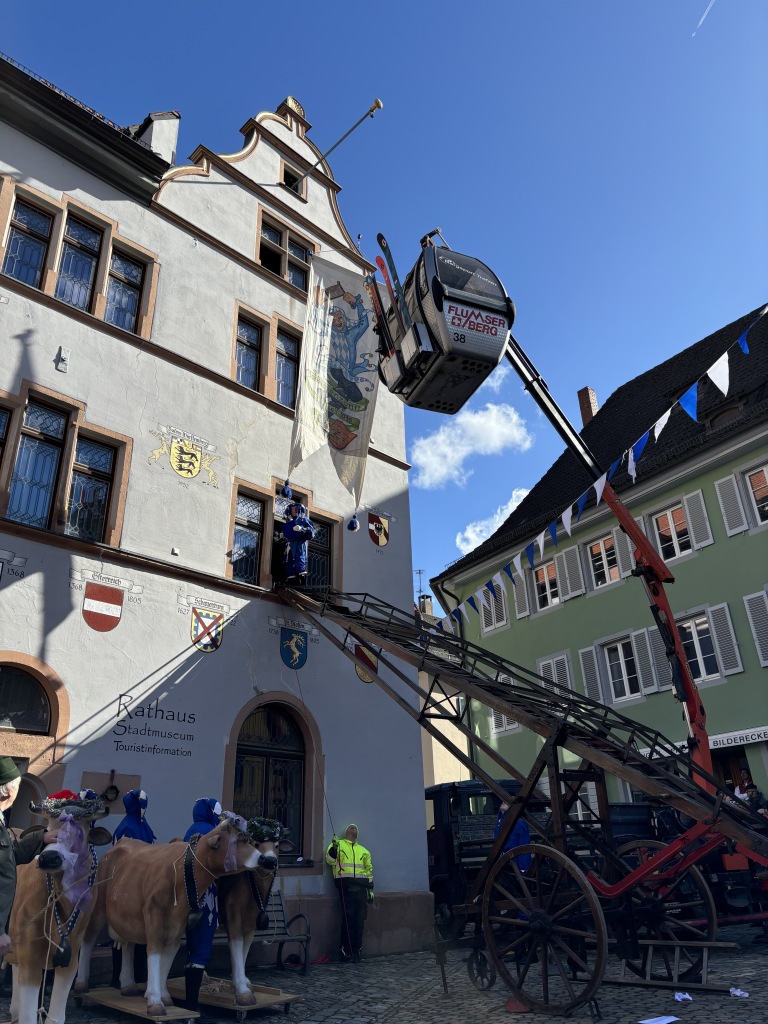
440, 458
475, 533
497, 378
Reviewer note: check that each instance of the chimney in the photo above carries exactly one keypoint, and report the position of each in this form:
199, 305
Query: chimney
160, 132
425, 604
587, 405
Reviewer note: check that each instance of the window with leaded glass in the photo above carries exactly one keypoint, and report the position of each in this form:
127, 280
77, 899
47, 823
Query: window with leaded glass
24, 706
247, 539
77, 268
284, 253
248, 353
38, 458
602, 558
89, 490
5, 419
27, 244
672, 534
269, 772
545, 581
286, 368
123, 291
319, 556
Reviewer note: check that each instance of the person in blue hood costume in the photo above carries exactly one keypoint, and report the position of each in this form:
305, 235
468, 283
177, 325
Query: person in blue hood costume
205, 818
298, 531
133, 826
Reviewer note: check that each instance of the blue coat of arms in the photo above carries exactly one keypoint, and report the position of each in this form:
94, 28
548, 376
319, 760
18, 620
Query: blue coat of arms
293, 647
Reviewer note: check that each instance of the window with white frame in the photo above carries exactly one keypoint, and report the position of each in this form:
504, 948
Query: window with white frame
671, 530
603, 561
682, 527
699, 646
622, 670
493, 611
758, 490
545, 584
499, 721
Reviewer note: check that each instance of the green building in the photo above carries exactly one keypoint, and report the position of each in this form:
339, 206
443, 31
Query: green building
696, 480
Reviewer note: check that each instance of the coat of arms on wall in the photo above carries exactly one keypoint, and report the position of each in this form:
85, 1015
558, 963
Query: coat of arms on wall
206, 629
187, 453
364, 655
293, 647
378, 529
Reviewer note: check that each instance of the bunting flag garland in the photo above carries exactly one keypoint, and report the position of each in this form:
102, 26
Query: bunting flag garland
566, 519
599, 486
517, 561
660, 423
689, 401
718, 373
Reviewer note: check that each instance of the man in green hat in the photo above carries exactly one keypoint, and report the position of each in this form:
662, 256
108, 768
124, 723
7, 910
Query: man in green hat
12, 851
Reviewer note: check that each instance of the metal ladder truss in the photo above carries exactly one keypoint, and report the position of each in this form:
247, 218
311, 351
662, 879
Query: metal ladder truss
603, 740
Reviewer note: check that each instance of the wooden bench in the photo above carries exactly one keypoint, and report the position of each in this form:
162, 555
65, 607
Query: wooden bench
284, 932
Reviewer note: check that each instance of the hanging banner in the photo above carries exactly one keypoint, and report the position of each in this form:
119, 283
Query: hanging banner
338, 375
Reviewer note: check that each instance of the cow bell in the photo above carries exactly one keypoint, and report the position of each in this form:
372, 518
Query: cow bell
62, 954
262, 921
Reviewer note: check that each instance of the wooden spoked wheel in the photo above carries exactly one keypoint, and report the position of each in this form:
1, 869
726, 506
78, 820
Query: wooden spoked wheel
544, 929
672, 907
481, 971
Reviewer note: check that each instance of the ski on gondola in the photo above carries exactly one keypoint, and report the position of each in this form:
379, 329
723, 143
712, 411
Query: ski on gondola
405, 316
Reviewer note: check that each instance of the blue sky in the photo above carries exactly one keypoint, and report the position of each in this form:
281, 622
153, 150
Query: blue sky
608, 164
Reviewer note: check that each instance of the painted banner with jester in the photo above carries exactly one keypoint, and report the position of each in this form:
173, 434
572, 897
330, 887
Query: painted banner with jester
338, 375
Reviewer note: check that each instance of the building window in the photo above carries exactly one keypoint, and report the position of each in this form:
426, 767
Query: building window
126, 277
269, 772
622, 670
35, 474
285, 254
90, 490
24, 706
602, 558
319, 556
248, 353
699, 648
545, 580
27, 246
758, 488
672, 534
291, 179
247, 541
79, 259
286, 368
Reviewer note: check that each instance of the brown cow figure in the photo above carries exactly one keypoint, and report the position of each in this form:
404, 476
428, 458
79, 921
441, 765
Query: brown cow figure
243, 901
53, 904
146, 893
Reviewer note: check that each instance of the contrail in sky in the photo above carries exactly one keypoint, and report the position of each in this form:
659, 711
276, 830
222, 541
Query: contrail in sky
709, 8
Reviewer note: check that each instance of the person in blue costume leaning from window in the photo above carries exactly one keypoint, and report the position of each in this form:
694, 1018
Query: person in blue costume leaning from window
298, 531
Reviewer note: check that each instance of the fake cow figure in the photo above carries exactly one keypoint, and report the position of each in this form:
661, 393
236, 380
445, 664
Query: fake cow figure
146, 894
53, 904
243, 900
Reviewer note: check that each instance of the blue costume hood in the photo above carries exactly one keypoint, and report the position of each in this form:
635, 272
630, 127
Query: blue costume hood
205, 817
134, 825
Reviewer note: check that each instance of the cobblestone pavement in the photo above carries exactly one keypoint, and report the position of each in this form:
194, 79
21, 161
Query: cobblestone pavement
407, 989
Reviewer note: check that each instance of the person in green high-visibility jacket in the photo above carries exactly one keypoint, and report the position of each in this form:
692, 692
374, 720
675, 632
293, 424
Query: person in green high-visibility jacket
353, 874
